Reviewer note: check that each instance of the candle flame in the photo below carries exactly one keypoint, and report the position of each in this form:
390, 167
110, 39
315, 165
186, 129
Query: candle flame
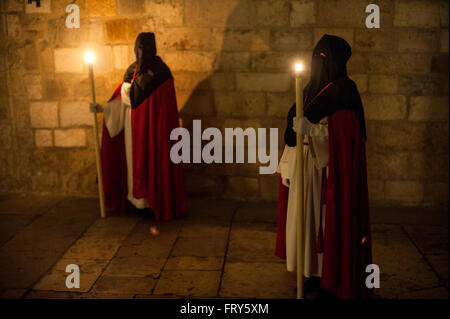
89, 57
298, 67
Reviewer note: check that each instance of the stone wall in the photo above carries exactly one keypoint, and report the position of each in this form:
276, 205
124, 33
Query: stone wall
232, 62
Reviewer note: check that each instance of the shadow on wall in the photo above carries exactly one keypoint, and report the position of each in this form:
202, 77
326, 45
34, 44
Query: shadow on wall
249, 86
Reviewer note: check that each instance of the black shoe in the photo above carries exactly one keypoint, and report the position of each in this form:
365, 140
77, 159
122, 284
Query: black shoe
311, 285
322, 293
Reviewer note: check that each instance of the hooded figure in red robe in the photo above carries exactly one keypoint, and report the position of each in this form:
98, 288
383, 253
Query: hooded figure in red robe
345, 238
135, 152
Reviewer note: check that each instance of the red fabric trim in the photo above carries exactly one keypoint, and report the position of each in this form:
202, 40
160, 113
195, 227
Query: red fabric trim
155, 177
321, 91
347, 209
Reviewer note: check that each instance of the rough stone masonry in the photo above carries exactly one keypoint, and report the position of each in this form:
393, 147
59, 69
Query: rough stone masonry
232, 62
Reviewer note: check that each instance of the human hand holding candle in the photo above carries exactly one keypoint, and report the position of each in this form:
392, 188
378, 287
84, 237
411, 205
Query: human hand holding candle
90, 58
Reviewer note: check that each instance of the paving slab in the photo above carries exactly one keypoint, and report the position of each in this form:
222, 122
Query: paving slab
141, 243
12, 224
261, 212
432, 293
27, 204
194, 263
252, 243
204, 230
188, 283
124, 285
136, 266
55, 280
23, 269
402, 267
97, 295
211, 211
200, 246
48, 295
257, 280
12, 293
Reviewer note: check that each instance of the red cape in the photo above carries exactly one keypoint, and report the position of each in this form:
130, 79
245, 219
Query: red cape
155, 177
347, 242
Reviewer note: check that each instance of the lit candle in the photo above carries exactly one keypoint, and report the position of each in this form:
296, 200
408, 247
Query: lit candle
89, 58
299, 168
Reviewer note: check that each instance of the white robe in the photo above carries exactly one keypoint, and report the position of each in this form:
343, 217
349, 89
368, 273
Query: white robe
314, 160
117, 116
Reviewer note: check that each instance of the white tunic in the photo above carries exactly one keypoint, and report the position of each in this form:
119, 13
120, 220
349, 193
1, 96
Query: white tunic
315, 159
117, 116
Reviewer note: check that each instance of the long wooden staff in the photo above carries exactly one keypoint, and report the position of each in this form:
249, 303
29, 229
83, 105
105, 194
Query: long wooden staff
90, 60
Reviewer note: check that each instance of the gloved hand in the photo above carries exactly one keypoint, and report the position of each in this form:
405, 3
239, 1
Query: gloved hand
302, 125
95, 108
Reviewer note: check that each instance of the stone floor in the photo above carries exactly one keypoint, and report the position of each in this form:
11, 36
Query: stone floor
223, 249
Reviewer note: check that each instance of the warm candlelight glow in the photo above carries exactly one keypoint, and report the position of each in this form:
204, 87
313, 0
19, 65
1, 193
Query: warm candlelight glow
89, 57
298, 67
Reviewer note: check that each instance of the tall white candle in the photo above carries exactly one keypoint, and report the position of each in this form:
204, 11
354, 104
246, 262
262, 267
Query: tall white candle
89, 58
299, 168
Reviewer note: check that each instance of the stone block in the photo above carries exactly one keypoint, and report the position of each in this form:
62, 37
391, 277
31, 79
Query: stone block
69, 60
349, 13
33, 86
44, 114
121, 30
405, 191
357, 63
193, 61
303, 13
383, 84
384, 107
242, 187
125, 7
270, 82
169, 13
236, 104
278, 104
75, 113
178, 38
272, 13
274, 61
288, 40
428, 84
346, 33
376, 190
418, 41
225, 13
121, 56
32, 8
198, 103
218, 81
376, 40
96, 8
361, 82
421, 14
43, 138
269, 186
444, 41
230, 61
399, 64
70, 138
242, 40
428, 108
402, 135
